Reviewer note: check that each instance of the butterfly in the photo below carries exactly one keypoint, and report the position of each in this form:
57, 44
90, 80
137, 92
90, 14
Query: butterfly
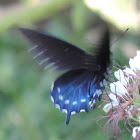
78, 89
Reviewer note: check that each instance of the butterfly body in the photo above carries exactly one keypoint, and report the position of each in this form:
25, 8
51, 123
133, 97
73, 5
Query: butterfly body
78, 89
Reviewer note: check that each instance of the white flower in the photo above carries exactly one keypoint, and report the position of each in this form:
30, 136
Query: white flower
107, 107
131, 108
128, 72
114, 103
134, 62
119, 74
135, 129
118, 88
124, 99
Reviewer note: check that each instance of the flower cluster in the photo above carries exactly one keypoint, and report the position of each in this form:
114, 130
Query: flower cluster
123, 101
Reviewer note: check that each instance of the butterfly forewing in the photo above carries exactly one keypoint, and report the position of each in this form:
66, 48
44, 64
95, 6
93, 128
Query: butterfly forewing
50, 50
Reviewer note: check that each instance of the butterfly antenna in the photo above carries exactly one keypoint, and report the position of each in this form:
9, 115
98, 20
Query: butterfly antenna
119, 64
120, 36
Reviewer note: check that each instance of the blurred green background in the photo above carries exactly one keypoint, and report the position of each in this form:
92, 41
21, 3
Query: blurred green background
26, 111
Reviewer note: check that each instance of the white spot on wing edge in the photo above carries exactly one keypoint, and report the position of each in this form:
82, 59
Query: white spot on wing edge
32, 48
98, 91
65, 111
82, 110
39, 54
57, 106
74, 103
94, 101
83, 100
43, 61
58, 89
73, 112
101, 84
94, 94
67, 101
60, 97
90, 103
50, 65
104, 82
52, 99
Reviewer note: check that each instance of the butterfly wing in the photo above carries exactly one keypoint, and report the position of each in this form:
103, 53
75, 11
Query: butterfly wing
51, 51
71, 92
102, 52
78, 89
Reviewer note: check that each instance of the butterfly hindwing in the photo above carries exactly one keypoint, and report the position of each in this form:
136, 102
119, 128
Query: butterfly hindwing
71, 92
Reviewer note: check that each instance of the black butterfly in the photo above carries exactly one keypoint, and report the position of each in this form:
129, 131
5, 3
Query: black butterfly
78, 89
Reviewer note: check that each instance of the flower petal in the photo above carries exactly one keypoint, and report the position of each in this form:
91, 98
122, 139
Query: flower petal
129, 71
134, 63
119, 74
134, 131
138, 53
131, 63
107, 107
113, 98
118, 88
